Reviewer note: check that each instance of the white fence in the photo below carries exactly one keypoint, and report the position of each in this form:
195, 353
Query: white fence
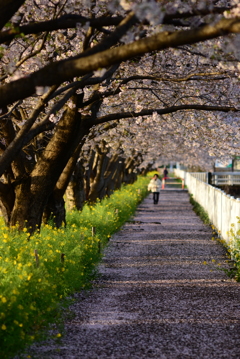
222, 209
202, 176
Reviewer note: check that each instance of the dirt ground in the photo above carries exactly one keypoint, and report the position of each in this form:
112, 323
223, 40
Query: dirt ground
162, 293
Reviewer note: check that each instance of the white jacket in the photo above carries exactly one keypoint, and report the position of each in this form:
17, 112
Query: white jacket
154, 185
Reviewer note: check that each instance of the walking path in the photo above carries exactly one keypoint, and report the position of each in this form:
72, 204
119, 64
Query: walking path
157, 297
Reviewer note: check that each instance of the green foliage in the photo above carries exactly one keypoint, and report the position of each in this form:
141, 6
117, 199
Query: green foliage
200, 211
179, 180
152, 173
233, 247
37, 273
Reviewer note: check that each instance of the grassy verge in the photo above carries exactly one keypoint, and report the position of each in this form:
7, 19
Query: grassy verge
232, 247
199, 210
38, 274
179, 180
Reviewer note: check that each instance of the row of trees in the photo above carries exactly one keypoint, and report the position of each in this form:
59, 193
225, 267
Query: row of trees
93, 92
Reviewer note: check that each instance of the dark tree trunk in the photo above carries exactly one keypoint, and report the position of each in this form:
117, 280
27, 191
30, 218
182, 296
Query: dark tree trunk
32, 194
55, 212
76, 194
129, 176
114, 177
97, 185
145, 170
7, 197
8, 9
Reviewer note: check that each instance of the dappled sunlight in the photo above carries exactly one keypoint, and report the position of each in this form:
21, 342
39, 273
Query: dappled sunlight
204, 282
118, 322
173, 257
166, 241
160, 263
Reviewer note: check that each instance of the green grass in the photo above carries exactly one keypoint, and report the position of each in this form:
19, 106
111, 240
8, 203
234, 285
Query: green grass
179, 180
232, 247
200, 211
39, 273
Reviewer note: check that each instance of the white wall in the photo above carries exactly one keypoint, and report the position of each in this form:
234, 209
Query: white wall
222, 209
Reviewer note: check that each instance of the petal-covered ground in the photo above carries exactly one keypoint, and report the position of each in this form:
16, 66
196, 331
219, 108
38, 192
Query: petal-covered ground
162, 293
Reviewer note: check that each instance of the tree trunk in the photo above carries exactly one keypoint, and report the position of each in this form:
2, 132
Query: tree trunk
55, 208
55, 212
32, 195
7, 10
76, 195
129, 176
114, 175
7, 197
146, 169
97, 186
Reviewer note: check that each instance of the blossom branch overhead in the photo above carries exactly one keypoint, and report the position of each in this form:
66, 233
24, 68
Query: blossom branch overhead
128, 60
163, 111
71, 21
61, 71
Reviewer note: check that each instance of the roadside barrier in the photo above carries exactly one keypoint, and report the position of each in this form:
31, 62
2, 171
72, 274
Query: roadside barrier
223, 210
163, 183
183, 183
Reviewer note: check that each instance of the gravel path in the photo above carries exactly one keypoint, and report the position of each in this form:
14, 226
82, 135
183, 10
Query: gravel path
157, 297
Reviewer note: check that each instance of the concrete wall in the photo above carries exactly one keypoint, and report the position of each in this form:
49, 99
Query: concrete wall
222, 209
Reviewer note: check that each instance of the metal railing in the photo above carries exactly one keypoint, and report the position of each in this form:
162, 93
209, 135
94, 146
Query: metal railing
223, 178
213, 178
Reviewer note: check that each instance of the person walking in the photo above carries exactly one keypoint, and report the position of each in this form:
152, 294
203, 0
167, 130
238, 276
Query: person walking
165, 173
154, 186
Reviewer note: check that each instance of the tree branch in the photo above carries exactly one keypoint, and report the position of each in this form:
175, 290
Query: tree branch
64, 22
58, 72
163, 111
70, 21
8, 9
17, 143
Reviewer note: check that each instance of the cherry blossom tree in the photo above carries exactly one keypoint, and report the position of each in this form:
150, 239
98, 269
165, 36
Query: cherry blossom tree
103, 86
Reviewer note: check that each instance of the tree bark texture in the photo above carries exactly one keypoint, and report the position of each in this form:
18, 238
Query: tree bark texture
34, 192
